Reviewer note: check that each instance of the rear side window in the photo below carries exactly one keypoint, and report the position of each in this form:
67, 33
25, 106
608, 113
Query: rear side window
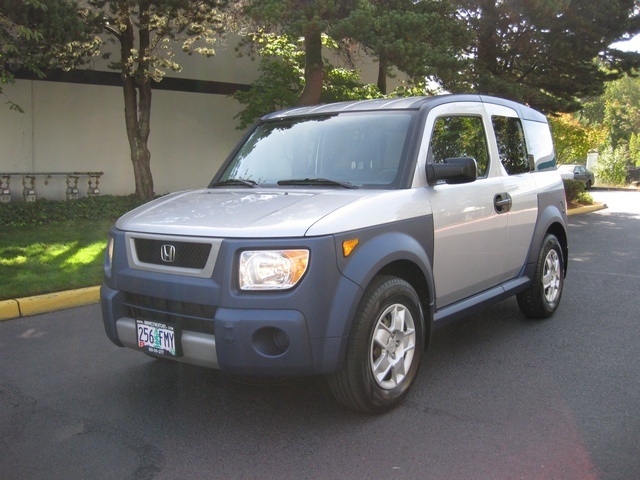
511, 144
540, 144
460, 136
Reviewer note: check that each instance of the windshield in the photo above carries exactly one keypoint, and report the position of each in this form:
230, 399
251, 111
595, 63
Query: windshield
343, 150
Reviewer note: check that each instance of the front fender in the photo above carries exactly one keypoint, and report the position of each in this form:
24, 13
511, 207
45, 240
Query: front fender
406, 243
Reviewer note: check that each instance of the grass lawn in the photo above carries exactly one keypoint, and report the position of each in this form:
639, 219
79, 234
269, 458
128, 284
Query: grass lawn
51, 258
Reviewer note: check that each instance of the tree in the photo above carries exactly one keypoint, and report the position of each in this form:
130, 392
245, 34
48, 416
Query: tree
573, 140
282, 77
543, 52
616, 112
421, 39
38, 35
634, 149
622, 110
616, 115
145, 31
302, 19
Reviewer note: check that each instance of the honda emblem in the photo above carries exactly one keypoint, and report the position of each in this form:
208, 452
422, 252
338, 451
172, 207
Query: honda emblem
168, 253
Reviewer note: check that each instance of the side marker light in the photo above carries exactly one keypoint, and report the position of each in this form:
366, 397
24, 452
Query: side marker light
348, 246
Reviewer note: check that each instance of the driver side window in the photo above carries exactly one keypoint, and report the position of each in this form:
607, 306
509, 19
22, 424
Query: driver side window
460, 136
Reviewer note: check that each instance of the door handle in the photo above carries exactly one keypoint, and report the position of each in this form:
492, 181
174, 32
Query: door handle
502, 202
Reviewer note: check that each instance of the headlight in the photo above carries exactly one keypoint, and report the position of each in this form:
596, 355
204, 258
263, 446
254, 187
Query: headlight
272, 269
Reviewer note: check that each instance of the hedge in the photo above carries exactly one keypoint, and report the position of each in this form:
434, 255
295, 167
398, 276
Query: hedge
42, 212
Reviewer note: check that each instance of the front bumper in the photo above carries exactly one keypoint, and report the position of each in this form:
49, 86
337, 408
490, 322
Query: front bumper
240, 341
299, 331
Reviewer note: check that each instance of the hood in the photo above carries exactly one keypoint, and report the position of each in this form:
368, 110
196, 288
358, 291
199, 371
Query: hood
236, 212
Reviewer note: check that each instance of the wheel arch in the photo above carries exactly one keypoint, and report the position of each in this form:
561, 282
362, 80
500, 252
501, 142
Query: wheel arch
397, 254
551, 220
412, 274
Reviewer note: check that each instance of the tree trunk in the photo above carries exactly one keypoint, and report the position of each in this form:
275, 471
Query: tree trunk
382, 74
487, 62
137, 105
313, 69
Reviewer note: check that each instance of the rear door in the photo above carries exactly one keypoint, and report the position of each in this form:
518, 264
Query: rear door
519, 185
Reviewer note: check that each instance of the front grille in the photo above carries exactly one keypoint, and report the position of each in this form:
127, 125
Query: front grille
187, 316
171, 253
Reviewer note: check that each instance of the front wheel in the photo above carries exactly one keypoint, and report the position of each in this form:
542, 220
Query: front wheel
385, 348
543, 296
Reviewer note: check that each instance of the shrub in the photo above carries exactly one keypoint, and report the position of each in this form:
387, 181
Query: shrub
42, 212
611, 167
576, 193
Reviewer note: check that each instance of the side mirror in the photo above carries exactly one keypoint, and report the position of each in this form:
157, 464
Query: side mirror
452, 170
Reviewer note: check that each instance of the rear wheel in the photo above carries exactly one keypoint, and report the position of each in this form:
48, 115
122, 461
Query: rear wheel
543, 296
385, 348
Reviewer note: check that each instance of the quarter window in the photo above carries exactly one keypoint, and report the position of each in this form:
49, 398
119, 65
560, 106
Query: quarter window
512, 148
460, 136
540, 144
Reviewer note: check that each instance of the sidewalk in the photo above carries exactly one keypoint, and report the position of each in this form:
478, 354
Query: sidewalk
24, 307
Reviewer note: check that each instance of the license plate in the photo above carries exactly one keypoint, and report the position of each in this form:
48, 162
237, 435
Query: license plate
157, 338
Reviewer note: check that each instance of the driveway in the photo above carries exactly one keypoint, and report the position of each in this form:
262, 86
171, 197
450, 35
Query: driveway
498, 397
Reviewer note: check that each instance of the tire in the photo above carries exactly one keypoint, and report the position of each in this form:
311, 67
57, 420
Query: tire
384, 350
543, 296
587, 185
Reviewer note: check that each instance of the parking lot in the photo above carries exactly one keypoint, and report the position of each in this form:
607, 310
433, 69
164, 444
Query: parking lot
498, 397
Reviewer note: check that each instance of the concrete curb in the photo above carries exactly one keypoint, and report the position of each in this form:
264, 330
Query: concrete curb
24, 307
587, 209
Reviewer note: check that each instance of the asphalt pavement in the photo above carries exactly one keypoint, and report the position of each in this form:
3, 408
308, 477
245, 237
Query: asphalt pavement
498, 397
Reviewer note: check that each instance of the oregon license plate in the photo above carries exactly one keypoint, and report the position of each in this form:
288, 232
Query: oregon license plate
158, 338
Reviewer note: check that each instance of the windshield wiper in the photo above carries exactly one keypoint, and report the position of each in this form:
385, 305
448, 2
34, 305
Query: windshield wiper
241, 182
317, 182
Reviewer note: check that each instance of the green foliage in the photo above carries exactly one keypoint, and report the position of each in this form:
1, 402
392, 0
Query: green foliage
295, 17
542, 53
609, 124
36, 35
193, 26
281, 78
43, 212
617, 111
611, 168
634, 149
574, 140
421, 39
576, 193
418, 38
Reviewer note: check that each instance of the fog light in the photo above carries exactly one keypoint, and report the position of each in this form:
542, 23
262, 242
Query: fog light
271, 342
281, 339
